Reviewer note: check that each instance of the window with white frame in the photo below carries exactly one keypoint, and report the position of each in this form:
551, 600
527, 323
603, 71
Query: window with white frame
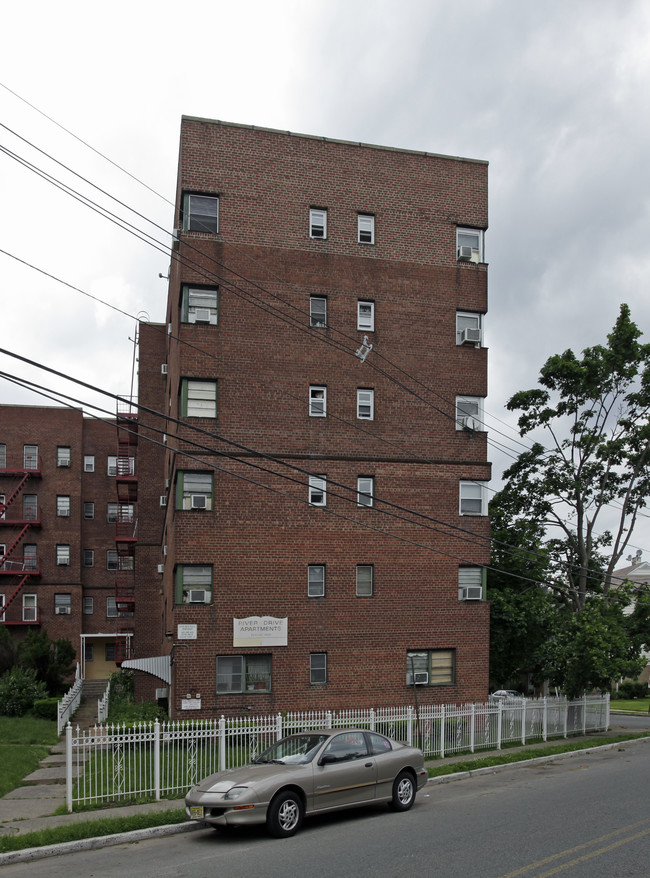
62, 604
365, 490
469, 330
30, 507
198, 398
63, 555
473, 498
317, 401
317, 222
88, 606
2, 602
366, 315
89, 510
469, 413
199, 305
318, 668
111, 607
431, 667
194, 490
193, 584
111, 559
30, 456
3, 456
111, 513
88, 557
120, 512
30, 558
89, 463
201, 213
471, 582
469, 245
243, 673
63, 455
317, 490
316, 581
30, 608
3, 552
318, 311
365, 580
365, 228
63, 505
365, 404
113, 464
2, 506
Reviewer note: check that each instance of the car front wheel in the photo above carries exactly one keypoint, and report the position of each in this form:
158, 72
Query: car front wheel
285, 815
403, 792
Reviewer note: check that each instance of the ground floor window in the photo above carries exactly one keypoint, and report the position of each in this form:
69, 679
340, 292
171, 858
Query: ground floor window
243, 673
431, 667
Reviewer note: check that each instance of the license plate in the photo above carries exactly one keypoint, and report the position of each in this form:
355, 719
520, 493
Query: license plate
196, 812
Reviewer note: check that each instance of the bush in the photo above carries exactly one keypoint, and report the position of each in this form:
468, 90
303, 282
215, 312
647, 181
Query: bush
19, 689
46, 708
630, 689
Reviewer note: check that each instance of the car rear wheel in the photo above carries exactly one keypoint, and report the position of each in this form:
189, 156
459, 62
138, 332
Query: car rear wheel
403, 792
285, 815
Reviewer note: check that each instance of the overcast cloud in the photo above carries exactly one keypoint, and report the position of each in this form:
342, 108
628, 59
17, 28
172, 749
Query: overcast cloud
554, 94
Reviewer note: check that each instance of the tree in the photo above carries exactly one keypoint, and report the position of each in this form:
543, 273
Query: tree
53, 660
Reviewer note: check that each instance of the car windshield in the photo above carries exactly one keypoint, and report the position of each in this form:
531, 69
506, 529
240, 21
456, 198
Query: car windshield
296, 748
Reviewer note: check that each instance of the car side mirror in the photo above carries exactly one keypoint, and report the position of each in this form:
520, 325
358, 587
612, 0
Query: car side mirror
328, 759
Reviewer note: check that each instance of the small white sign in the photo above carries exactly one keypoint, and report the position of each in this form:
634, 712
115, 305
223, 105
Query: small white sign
187, 632
190, 704
260, 631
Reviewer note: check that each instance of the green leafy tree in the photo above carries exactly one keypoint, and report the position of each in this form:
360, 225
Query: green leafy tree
19, 689
8, 650
52, 660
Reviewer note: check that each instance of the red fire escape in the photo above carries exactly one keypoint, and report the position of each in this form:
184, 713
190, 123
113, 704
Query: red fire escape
19, 515
125, 529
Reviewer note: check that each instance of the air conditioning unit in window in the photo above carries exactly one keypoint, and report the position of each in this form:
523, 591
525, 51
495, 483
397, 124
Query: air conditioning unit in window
199, 501
176, 237
163, 368
471, 593
161, 568
64, 462
163, 499
464, 254
198, 596
421, 678
202, 315
470, 336
467, 423
62, 611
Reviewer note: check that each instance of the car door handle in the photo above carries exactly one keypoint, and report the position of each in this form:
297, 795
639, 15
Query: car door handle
368, 765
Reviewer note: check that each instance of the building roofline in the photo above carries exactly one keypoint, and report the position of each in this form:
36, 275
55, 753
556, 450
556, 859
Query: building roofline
437, 155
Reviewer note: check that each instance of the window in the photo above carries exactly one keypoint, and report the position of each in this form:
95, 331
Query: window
112, 468
109, 652
30, 558
317, 492
120, 512
201, 213
88, 606
30, 507
30, 608
111, 607
3, 456
193, 584
199, 305
89, 463
364, 580
111, 514
366, 228
243, 673
366, 316
468, 329
2, 506
317, 223
317, 311
473, 498
63, 505
89, 510
89, 557
194, 491
365, 490
117, 562
470, 583
431, 667
111, 559
62, 604
30, 456
469, 245
469, 413
316, 581
63, 455
2, 600
365, 404
63, 556
317, 401
318, 668
198, 399
89, 652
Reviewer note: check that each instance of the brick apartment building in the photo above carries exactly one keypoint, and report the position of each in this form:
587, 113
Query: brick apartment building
317, 492
59, 513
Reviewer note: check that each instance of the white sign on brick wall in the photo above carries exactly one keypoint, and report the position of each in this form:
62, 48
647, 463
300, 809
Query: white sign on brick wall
260, 631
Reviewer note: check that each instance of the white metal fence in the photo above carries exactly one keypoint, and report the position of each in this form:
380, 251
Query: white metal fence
117, 763
70, 702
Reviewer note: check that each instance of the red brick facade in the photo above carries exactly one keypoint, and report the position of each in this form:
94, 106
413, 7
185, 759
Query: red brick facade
258, 535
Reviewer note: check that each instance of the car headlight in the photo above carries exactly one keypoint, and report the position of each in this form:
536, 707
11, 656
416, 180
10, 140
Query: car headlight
235, 792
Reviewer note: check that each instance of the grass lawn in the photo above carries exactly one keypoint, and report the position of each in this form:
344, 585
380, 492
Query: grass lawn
25, 741
641, 705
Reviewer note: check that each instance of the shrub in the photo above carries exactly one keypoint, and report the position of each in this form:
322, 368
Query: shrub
630, 689
19, 689
45, 708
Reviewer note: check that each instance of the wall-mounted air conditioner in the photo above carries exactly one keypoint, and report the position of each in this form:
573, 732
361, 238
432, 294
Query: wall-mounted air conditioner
161, 568
62, 611
163, 499
464, 254
471, 593
198, 596
470, 336
202, 315
163, 368
176, 237
199, 501
421, 678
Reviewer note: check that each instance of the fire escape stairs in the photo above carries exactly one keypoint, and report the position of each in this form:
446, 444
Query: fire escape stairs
125, 531
6, 565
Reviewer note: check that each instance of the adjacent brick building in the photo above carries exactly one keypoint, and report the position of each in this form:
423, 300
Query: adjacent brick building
322, 500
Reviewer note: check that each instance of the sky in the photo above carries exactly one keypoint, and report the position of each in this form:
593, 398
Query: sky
554, 94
